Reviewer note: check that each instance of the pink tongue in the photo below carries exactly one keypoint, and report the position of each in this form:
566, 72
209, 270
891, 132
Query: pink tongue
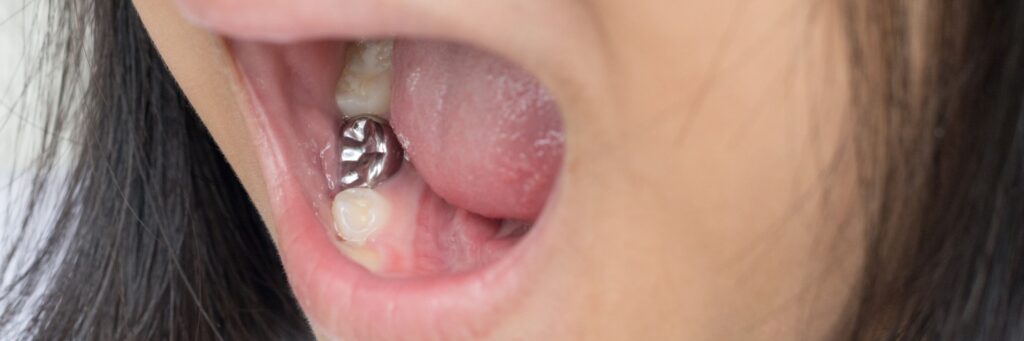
483, 134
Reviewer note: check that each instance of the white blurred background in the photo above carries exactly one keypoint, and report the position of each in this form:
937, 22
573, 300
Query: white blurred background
20, 130
13, 39
21, 31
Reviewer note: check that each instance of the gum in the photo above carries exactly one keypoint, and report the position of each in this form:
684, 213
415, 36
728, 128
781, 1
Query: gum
424, 235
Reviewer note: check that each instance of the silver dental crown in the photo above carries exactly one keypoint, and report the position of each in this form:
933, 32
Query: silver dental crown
369, 152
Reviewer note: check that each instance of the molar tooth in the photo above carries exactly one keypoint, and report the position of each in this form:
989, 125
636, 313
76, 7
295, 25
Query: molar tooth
359, 213
365, 84
369, 259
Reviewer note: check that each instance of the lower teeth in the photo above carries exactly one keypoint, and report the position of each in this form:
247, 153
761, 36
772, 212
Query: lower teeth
359, 214
369, 151
365, 84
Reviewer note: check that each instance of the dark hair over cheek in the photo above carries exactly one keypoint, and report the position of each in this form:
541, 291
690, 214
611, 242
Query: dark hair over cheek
942, 150
156, 238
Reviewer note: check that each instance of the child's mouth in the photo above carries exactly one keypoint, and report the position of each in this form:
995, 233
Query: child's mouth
455, 227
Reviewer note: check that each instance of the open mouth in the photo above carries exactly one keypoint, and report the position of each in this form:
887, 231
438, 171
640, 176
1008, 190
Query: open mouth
445, 244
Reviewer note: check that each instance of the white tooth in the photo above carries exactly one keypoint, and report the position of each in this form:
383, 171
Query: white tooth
358, 214
368, 258
365, 84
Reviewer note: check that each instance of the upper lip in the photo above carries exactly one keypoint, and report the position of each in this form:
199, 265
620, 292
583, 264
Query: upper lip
340, 298
284, 21
552, 29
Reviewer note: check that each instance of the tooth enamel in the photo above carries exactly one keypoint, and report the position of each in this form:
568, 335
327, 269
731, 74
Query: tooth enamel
358, 214
365, 84
369, 259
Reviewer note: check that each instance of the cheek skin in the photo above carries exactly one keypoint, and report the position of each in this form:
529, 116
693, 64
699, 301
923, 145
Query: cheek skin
201, 66
698, 132
695, 186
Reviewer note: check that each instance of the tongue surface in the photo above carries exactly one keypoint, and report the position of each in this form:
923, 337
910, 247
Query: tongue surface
484, 135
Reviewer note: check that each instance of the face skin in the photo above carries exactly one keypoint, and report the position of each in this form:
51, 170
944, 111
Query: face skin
705, 193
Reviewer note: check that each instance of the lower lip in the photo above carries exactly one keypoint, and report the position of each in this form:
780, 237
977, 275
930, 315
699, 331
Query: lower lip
345, 301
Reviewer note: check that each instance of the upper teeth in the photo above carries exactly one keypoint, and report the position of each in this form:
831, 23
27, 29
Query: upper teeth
365, 84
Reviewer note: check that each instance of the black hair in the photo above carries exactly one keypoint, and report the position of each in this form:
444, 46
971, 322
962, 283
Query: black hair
156, 239
939, 98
